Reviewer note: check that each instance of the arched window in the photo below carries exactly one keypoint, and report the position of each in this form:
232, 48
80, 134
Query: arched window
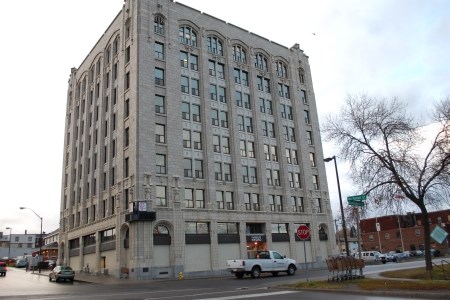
108, 55
261, 62
160, 229
281, 69
301, 74
239, 54
158, 25
116, 46
127, 29
214, 45
188, 36
161, 235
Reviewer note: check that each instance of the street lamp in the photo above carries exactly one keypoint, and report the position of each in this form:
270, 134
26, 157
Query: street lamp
347, 250
40, 240
9, 248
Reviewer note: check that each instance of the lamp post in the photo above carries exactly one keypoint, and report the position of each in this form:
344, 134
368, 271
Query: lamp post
347, 250
40, 239
9, 248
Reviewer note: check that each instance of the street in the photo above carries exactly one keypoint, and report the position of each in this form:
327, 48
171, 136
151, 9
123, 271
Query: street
19, 284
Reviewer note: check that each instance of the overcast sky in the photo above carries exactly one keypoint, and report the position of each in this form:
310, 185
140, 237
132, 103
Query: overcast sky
383, 48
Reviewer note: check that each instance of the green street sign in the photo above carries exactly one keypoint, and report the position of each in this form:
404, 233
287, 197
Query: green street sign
356, 203
357, 198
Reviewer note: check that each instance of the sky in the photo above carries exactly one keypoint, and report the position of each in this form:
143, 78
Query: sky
385, 48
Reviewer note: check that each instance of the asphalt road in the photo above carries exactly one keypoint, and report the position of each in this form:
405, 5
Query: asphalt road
19, 284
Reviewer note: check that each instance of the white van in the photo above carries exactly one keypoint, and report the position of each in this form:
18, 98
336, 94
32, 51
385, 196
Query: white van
368, 255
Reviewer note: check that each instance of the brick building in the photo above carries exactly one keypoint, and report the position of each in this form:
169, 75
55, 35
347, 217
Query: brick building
403, 232
189, 141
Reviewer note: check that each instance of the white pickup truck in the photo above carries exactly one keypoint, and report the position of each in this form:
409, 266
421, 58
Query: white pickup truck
265, 262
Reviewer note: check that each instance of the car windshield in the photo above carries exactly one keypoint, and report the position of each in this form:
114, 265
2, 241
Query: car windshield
66, 268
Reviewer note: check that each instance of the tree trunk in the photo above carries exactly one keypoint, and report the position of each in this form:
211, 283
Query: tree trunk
427, 240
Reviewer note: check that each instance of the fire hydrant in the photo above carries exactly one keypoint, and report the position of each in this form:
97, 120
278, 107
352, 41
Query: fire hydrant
180, 275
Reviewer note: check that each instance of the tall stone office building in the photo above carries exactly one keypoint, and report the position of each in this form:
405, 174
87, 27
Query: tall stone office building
189, 141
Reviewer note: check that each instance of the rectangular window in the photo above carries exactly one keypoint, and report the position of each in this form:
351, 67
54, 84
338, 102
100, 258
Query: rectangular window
215, 117
159, 50
218, 170
229, 200
226, 145
195, 87
238, 98
213, 92
186, 138
227, 172
220, 203
319, 205
309, 137
197, 140
303, 97
159, 104
159, 76
198, 164
252, 173
315, 182
243, 148
160, 164
196, 113
251, 149
185, 84
187, 166
237, 76
200, 198
160, 133
185, 111
246, 101
189, 198
216, 143
306, 116
183, 59
312, 159
161, 199
222, 94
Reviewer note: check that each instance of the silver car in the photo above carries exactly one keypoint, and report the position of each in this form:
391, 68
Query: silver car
61, 273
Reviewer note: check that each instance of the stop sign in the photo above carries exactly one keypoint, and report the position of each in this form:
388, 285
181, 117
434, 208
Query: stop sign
303, 232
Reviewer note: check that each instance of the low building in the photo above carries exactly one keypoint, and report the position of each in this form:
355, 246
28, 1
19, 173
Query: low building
403, 232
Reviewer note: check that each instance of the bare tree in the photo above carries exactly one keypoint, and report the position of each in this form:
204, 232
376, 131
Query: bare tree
390, 153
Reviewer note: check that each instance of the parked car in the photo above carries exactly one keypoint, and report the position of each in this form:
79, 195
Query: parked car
3, 268
398, 257
61, 273
21, 263
265, 262
435, 252
51, 264
371, 256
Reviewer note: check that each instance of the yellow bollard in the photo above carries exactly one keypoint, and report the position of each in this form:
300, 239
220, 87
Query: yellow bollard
180, 275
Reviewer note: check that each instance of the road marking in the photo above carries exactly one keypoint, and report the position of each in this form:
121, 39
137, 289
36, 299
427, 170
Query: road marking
250, 295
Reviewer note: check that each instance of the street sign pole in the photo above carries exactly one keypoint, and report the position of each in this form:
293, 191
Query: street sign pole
303, 234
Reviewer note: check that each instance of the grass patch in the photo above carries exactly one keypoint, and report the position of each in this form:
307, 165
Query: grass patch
372, 284
416, 279
438, 273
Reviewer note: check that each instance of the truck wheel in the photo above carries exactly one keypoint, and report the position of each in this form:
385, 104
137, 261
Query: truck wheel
291, 270
239, 275
275, 273
256, 272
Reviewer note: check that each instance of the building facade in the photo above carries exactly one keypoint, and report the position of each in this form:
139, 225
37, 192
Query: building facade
189, 141
16, 245
403, 232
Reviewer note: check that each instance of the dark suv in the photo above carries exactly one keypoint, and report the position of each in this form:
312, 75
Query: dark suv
3, 268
